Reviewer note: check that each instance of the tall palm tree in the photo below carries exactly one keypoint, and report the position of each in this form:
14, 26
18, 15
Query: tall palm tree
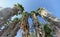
7, 32
24, 24
48, 17
7, 13
37, 25
53, 21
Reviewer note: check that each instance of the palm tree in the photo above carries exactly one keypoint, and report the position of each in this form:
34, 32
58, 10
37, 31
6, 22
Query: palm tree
7, 31
12, 27
24, 24
48, 17
7, 13
36, 24
53, 21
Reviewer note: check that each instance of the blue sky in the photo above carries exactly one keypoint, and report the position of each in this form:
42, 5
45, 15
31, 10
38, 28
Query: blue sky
51, 5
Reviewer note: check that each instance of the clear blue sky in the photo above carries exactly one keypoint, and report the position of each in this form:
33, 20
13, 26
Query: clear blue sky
51, 5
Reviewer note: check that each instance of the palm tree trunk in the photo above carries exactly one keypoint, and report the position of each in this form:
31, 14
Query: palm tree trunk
37, 25
8, 30
24, 26
14, 31
1, 32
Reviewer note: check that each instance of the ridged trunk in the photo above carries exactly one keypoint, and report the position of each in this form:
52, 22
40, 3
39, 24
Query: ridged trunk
1, 32
37, 26
9, 29
14, 31
24, 25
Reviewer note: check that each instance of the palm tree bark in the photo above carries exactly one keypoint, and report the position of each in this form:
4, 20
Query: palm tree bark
24, 25
37, 25
7, 31
1, 32
14, 31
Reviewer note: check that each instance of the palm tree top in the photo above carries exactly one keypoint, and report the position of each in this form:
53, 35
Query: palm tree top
33, 12
19, 7
39, 9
